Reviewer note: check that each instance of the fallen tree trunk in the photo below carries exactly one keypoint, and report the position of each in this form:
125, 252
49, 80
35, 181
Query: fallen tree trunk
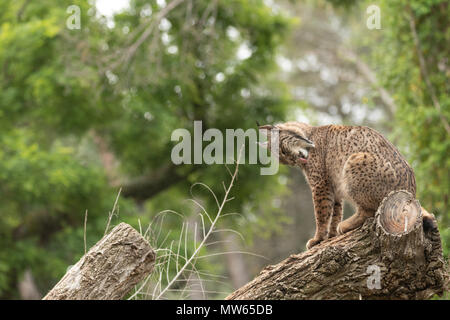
389, 257
109, 269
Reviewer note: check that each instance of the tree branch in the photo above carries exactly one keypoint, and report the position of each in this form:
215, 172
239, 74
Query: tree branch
389, 257
131, 51
148, 186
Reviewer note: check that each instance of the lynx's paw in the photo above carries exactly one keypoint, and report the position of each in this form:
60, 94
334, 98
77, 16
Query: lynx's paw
338, 230
332, 234
355, 221
346, 226
312, 242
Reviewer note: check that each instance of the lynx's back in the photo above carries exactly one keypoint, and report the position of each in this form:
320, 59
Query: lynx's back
361, 161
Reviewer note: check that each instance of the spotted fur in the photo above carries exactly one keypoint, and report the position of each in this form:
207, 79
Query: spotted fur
351, 163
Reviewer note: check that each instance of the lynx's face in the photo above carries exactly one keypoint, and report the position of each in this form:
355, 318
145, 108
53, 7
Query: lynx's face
294, 145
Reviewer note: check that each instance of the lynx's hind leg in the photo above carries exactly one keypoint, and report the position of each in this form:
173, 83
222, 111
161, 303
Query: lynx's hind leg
364, 187
366, 181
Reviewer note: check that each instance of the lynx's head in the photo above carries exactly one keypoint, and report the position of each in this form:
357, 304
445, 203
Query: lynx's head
293, 141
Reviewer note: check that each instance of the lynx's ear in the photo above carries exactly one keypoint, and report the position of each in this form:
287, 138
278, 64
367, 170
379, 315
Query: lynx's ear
267, 127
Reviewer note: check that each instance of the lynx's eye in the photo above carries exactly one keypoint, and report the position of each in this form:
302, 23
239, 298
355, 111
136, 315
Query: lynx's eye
303, 153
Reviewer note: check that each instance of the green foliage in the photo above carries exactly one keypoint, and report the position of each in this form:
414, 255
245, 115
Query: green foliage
45, 192
445, 236
62, 89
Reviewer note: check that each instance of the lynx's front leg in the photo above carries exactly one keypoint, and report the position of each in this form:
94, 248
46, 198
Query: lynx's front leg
323, 201
336, 218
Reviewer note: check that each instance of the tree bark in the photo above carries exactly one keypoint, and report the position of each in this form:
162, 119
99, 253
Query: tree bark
389, 257
109, 269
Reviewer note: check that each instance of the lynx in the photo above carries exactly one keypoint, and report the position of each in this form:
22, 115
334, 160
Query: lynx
351, 163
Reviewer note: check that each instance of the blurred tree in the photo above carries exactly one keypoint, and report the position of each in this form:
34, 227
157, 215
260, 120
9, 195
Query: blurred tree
323, 72
86, 111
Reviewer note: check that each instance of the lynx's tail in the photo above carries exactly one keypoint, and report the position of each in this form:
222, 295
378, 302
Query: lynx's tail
428, 221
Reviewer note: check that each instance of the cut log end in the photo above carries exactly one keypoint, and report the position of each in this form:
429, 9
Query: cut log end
109, 269
399, 213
